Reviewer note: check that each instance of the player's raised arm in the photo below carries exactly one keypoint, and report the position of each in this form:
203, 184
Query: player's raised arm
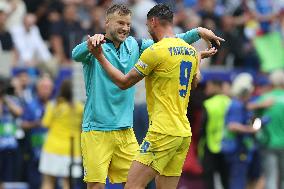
190, 37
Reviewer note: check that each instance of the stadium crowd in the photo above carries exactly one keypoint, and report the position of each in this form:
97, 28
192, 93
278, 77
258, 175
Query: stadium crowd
242, 82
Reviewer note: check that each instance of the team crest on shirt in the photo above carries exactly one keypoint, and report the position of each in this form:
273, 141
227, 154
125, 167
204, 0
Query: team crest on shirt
145, 146
142, 64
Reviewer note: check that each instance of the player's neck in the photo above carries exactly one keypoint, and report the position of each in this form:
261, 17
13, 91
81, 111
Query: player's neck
116, 43
164, 32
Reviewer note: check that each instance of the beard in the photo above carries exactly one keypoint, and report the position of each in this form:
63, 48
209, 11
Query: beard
115, 36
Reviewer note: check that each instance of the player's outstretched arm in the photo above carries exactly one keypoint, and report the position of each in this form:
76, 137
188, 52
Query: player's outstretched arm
190, 37
121, 80
209, 36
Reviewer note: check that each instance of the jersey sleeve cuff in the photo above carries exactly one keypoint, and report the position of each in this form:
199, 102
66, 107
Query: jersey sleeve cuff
142, 74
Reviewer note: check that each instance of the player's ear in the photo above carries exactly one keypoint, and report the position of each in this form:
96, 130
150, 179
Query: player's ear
152, 21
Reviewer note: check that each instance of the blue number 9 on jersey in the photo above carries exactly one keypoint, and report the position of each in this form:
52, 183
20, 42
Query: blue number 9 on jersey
185, 69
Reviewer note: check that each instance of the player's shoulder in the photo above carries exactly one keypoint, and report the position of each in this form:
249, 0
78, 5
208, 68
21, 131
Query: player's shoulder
130, 40
158, 46
186, 44
131, 43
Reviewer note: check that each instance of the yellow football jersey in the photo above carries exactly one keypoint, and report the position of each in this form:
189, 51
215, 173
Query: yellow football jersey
169, 66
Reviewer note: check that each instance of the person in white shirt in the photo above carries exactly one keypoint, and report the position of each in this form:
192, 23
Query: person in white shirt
29, 43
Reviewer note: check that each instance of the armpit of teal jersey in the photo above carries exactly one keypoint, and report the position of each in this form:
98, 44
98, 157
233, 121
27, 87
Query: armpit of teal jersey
108, 107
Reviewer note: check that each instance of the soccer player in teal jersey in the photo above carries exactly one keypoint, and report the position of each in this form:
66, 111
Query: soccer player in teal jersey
108, 141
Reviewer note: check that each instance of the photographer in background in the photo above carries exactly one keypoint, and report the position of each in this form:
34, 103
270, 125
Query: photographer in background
10, 109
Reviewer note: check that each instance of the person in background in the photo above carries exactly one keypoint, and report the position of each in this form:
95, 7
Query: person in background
65, 34
238, 142
29, 43
63, 119
10, 109
6, 44
271, 105
215, 108
34, 132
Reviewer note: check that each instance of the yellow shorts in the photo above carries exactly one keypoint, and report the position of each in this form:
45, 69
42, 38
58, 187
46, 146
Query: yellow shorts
164, 153
108, 153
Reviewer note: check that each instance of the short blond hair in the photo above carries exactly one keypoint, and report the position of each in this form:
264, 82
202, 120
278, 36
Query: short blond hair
277, 78
121, 9
242, 85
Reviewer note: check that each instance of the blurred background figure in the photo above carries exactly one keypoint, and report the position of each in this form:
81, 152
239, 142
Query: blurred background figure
96, 25
8, 53
29, 43
238, 143
34, 131
10, 109
215, 108
65, 34
16, 11
271, 105
139, 13
63, 119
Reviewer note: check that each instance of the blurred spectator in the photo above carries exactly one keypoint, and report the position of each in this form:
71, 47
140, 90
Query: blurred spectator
208, 13
22, 84
63, 119
238, 143
139, 13
266, 11
215, 108
65, 34
17, 10
97, 20
6, 43
105, 4
9, 109
29, 43
5, 37
44, 11
231, 45
35, 132
271, 105
281, 22
256, 178
85, 14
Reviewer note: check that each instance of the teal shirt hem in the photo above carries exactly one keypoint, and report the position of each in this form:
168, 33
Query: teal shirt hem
92, 127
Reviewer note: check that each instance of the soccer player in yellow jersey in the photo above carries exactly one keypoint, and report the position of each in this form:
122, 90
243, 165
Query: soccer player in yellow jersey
171, 69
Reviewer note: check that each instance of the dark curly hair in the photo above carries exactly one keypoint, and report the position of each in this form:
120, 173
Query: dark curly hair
162, 12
